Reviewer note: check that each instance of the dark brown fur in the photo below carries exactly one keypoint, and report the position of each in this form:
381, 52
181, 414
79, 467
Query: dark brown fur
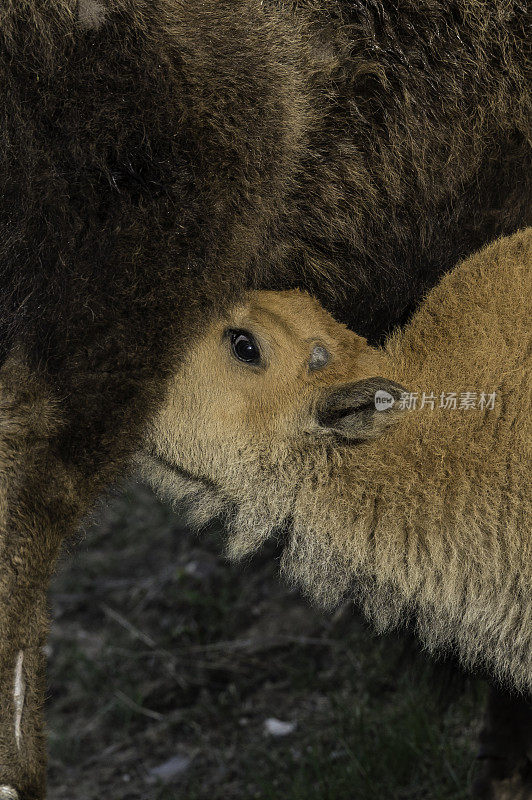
158, 157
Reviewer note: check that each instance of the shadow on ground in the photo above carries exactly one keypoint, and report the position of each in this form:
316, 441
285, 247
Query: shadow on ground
167, 666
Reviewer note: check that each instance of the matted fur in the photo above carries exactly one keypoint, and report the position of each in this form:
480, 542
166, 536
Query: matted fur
430, 521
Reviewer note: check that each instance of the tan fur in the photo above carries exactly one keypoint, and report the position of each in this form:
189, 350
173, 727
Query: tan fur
431, 520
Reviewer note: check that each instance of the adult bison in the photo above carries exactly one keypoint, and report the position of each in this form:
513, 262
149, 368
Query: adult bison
158, 157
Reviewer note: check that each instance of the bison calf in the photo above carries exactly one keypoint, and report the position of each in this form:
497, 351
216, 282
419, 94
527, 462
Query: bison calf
400, 474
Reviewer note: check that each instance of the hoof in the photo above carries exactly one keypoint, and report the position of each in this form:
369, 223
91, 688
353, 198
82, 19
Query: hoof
8, 793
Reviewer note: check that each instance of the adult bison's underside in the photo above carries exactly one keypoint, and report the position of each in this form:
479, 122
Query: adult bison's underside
157, 158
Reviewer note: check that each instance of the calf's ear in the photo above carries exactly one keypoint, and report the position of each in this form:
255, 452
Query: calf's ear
361, 410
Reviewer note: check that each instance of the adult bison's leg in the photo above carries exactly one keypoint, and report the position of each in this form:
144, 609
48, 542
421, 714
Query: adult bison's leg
22, 751
505, 749
37, 505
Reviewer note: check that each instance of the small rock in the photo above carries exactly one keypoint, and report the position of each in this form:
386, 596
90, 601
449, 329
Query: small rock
276, 727
201, 567
169, 769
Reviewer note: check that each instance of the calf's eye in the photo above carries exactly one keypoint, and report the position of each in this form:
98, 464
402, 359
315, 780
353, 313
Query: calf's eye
244, 347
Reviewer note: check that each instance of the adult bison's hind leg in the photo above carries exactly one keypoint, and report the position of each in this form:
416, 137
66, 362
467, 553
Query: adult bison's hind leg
505, 749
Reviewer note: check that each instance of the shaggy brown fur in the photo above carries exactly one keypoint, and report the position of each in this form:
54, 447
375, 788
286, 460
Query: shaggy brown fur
423, 513
156, 158
33, 513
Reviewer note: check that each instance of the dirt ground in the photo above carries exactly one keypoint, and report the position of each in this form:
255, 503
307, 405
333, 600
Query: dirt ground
176, 675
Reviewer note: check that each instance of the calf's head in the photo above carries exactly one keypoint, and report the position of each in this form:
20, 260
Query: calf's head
269, 394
